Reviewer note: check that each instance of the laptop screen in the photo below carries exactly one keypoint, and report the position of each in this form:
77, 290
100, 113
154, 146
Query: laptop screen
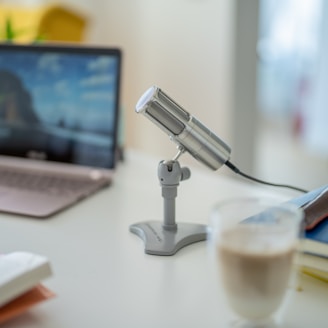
60, 103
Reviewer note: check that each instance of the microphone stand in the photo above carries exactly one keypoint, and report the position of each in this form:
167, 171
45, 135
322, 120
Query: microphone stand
168, 237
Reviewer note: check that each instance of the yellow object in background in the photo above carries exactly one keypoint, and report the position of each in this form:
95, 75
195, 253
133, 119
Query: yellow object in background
50, 23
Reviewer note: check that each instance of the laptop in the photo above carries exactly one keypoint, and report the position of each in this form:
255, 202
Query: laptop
58, 125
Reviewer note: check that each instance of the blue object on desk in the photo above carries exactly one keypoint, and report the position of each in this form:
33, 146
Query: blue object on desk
320, 231
308, 197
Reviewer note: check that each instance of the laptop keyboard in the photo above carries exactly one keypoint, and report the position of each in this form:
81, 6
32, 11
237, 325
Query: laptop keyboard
44, 183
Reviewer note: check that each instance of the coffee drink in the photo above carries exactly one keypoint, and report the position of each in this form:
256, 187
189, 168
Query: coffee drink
255, 269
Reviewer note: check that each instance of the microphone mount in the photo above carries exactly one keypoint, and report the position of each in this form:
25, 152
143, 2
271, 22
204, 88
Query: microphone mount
167, 237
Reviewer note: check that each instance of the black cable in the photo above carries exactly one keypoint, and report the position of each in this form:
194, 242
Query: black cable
236, 170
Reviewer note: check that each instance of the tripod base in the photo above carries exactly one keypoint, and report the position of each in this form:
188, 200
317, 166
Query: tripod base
159, 241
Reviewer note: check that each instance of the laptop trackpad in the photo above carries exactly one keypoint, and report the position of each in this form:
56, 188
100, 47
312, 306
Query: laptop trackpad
31, 203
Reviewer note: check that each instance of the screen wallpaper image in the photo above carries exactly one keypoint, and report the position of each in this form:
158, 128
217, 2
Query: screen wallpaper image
61, 106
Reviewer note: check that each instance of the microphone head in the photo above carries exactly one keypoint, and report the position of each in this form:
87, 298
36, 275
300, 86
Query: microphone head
163, 111
184, 129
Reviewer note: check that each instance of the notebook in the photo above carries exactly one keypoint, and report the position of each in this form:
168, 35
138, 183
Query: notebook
58, 125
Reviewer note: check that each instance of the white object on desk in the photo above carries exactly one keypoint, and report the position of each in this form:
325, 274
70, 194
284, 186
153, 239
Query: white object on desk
19, 272
104, 279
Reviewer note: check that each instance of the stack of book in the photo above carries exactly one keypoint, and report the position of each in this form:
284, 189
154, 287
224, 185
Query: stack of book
313, 259
20, 287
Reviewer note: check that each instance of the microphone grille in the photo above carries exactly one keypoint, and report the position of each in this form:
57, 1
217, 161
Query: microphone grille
164, 118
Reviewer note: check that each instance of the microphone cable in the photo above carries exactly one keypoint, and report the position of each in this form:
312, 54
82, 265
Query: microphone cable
237, 171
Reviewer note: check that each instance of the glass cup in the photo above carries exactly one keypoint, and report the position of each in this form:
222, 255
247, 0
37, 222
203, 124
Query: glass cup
254, 243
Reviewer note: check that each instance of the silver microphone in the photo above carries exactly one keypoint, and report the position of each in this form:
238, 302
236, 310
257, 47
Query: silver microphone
184, 129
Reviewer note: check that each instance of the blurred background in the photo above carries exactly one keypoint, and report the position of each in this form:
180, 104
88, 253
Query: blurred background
255, 71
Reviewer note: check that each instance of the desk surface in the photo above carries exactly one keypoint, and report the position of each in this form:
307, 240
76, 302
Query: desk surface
103, 278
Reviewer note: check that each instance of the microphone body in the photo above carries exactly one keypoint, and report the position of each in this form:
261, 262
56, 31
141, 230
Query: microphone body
184, 129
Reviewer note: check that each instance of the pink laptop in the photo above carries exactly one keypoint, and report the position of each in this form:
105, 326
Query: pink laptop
58, 125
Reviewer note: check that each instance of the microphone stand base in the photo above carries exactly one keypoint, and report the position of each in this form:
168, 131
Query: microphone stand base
160, 241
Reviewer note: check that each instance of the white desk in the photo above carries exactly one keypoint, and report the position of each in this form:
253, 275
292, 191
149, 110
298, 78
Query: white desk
103, 278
